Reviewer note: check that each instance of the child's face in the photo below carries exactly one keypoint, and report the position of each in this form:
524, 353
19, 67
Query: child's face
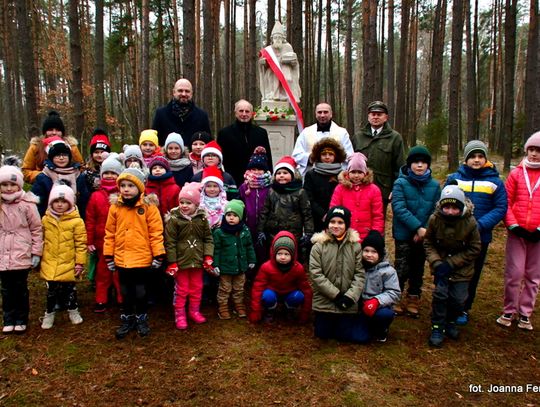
337, 226
211, 189
53, 132
328, 157
158, 170
148, 148
476, 161
419, 168
174, 152
9, 187
370, 255
257, 171
187, 207
283, 256
533, 154
197, 147
97, 155
60, 205
61, 160
451, 210
128, 189
356, 176
211, 160
109, 175
283, 176
132, 160
232, 218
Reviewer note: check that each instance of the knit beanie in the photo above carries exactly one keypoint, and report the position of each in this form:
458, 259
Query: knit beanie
212, 174
55, 146
132, 151
474, 146
201, 136
357, 162
212, 148
375, 240
112, 163
159, 160
285, 242
452, 194
533, 141
258, 159
191, 191
286, 163
150, 135
63, 191
235, 206
53, 121
419, 153
134, 175
339, 212
10, 173
100, 141
174, 138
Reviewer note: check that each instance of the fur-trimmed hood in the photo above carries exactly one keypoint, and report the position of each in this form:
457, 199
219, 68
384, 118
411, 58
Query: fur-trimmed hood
327, 142
175, 212
38, 140
468, 209
351, 236
343, 178
151, 199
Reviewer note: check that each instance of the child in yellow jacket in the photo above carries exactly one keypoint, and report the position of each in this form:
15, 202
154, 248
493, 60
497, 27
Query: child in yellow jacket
64, 254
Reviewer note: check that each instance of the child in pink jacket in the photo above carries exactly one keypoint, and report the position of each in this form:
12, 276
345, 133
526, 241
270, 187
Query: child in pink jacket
21, 245
522, 273
357, 192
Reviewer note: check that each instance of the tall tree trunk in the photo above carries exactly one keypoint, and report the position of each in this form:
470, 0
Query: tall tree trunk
144, 116
348, 81
472, 105
178, 62
76, 68
234, 57
509, 69
208, 51
29, 70
319, 51
218, 83
228, 59
270, 20
252, 54
245, 90
189, 40
454, 84
390, 69
532, 76
99, 74
379, 92
401, 98
330, 57
369, 51
411, 110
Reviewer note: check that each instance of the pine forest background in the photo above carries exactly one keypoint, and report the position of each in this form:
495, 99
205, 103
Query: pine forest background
450, 71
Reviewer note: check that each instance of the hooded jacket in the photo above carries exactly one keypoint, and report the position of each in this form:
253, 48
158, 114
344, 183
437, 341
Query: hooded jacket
523, 209
233, 252
96, 218
166, 191
271, 277
382, 283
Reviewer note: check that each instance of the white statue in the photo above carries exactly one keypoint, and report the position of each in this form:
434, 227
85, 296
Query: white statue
287, 61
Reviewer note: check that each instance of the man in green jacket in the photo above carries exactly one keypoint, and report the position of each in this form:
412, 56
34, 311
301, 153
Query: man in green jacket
383, 146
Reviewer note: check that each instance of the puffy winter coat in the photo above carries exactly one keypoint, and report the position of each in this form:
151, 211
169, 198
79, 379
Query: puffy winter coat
336, 268
319, 188
21, 235
382, 283
271, 277
165, 189
523, 209
64, 247
486, 190
364, 201
233, 252
96, 218
413, 203
453, 240
254, 205
133, 235
188, 241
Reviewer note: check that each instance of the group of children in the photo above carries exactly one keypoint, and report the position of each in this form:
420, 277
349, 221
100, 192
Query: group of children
149, 210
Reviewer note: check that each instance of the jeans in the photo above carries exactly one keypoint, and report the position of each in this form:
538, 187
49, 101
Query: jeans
448, 300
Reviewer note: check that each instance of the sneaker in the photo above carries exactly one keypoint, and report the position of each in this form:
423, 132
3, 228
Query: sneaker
47, 321
505, 319
452, 331
525, 323
20, 329
75, 316
437, 336
463, 319
100, 308
7, 329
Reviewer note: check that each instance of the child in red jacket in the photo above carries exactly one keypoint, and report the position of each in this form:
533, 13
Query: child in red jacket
161, 182
282, 279
97, 211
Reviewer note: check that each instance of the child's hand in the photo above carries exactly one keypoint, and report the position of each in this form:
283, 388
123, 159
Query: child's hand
343, 302
370, 307
35, 260
261, 238
207, 263
110, 263
79, 268
91, 248
420, 233
215, 271
172, 269
156, 263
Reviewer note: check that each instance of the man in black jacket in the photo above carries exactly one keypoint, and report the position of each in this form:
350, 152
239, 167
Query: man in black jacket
180, 115
239, 140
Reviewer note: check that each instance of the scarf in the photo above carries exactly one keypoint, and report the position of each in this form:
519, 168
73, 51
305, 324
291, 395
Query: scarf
57, 215
421, 179
13, 196
530, 164
131, 202
284, 267
327, 169
256, 181
161, 177
231, 229
182, 110
68, 174
179, 164
109, 186
287, 188
196, 163
214, 207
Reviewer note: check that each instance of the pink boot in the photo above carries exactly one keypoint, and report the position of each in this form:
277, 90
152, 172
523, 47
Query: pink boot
180, 318
195, 315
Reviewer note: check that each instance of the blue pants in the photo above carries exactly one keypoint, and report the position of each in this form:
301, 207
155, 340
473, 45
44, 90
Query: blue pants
292, 300
378, 324
448, 301
342, 327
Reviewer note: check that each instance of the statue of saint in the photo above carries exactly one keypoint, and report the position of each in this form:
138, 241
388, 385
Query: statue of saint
286, 61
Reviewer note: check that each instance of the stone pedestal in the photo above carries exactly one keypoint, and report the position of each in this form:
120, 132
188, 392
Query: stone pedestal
281, 134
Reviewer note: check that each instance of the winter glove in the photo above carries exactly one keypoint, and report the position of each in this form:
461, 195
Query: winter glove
370, 307
305, 240
521, 232
343, 302
172, 269
207, 264
35, 261
78, 270
110, 263
442, 271
261, 238
215, 271
156, 263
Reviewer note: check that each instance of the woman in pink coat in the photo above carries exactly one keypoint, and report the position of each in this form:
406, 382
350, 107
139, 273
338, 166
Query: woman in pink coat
357, 192
21, 244
522, 273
